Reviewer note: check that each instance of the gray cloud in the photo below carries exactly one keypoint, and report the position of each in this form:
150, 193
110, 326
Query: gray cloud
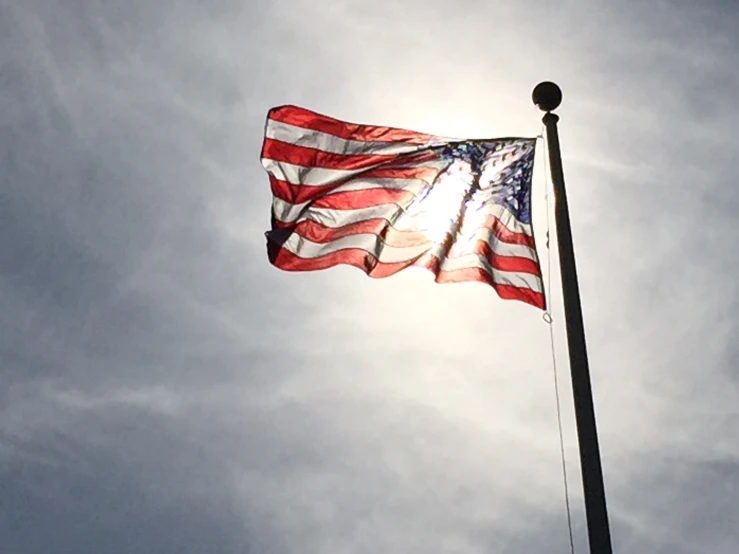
165, 389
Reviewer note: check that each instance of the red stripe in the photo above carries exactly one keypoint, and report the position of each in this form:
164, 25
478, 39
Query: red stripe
358, 199
476, 274
307, 119
311, 157
507, 292
518, 264
297, 194
279, 151
507, 263
501, 263
316, 232
482, 248
286, 260
504, 234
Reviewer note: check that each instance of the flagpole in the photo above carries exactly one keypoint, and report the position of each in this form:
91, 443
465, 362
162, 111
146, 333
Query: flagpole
548, 96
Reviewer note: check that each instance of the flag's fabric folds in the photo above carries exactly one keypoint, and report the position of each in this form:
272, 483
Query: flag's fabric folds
383, 199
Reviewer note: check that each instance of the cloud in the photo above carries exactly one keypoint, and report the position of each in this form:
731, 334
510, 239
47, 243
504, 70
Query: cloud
167, 390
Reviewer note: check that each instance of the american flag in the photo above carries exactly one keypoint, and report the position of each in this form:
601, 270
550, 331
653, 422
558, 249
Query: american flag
383, 199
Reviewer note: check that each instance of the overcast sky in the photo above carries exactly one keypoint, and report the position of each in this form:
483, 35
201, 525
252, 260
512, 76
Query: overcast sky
164, 389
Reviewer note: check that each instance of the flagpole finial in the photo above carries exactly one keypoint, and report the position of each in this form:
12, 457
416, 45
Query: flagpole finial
547, 96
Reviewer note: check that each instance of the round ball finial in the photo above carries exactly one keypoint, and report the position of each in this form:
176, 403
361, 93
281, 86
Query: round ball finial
547, 96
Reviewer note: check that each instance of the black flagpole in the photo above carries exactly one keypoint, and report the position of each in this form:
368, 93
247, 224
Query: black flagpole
547, 96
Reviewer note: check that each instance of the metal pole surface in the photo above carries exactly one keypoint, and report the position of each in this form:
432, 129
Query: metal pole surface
548, 97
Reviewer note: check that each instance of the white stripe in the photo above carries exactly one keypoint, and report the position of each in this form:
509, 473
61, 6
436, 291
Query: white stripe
308, 176
409, 224
299, 136
500, 248
506, 248
317, 176
374, 245
368, 242
413, 186
295, 213
464, 247
516, 279
287, 212
507, 218
333, 219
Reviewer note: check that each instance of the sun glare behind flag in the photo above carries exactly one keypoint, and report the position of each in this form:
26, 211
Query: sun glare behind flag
383, 199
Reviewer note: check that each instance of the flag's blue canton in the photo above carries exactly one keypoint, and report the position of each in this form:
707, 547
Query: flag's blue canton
474, 153
512, 186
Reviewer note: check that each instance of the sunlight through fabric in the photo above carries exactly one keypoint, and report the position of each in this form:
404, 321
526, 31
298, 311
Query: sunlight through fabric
384, 199
437, 211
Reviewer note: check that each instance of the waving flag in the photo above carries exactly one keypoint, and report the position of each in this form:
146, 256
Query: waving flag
383, 199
